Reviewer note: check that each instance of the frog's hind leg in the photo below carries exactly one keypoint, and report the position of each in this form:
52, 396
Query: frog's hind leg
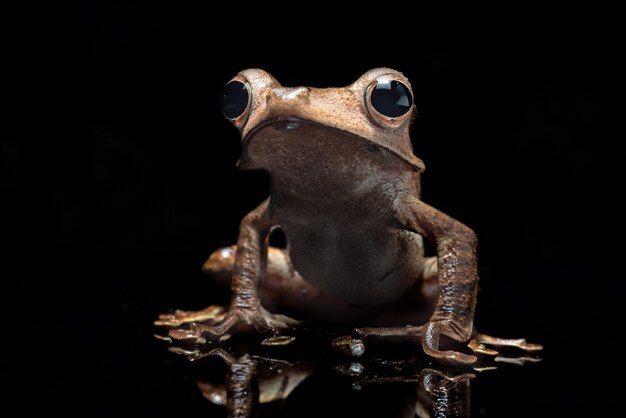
282, 286
284, 290
220, 264
279, 270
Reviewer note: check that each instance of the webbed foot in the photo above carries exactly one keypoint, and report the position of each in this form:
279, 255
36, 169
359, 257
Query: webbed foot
429, 334
178, 318
212, 323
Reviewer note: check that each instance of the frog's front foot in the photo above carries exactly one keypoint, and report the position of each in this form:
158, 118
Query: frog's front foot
430, 337
217, 324
429, 334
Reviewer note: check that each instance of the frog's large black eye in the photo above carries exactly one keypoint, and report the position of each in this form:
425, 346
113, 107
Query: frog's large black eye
391, 98
235, 99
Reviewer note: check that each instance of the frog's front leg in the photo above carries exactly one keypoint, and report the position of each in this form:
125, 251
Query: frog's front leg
250, 264
457, 278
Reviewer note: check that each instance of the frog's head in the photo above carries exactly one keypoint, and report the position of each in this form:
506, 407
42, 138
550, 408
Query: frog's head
377, 109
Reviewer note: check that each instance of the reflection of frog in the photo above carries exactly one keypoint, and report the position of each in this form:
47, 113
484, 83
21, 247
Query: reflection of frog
300, 376
394, 388
346, 193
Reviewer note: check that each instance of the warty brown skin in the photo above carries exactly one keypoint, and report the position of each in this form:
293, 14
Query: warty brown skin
389, 192
345, 191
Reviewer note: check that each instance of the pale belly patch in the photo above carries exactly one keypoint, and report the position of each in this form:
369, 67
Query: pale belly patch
362, 264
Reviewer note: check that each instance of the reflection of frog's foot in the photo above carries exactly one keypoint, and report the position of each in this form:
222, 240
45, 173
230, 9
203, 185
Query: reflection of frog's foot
482, 343
220, 325
436, 380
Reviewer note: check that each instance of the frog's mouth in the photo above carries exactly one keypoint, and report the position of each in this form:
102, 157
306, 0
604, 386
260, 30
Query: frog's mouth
283, 123
288, 137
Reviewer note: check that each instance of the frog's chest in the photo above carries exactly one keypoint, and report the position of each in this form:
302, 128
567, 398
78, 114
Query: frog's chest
358, 253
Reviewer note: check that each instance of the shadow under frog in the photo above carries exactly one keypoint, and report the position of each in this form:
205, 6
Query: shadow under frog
345, 190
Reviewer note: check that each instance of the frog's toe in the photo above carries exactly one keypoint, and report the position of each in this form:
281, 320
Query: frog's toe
274, 323
480, 348
480, 341
213, 313
354, 345
189, 336
234, 321
349, 346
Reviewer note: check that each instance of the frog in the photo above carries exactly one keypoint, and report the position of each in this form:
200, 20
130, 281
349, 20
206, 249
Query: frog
345, 193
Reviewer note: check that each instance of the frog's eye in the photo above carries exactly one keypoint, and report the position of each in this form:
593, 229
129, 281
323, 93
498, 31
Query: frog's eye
388, 100
236, 98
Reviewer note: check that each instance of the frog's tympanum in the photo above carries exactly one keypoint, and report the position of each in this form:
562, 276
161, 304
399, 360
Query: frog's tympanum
345, 191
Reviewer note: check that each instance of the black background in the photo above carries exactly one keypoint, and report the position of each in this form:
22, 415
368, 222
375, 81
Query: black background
118, 178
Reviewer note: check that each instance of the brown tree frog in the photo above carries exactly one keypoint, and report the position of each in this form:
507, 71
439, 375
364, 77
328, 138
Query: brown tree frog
345, 191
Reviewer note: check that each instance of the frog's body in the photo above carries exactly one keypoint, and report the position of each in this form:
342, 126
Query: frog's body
344, 235
345, 191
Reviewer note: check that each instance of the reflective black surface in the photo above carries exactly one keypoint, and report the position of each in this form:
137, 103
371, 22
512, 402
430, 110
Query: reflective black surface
90, 349
305, 377
117, 173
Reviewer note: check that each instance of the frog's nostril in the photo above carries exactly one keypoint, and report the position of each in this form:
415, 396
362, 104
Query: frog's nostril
300, 93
